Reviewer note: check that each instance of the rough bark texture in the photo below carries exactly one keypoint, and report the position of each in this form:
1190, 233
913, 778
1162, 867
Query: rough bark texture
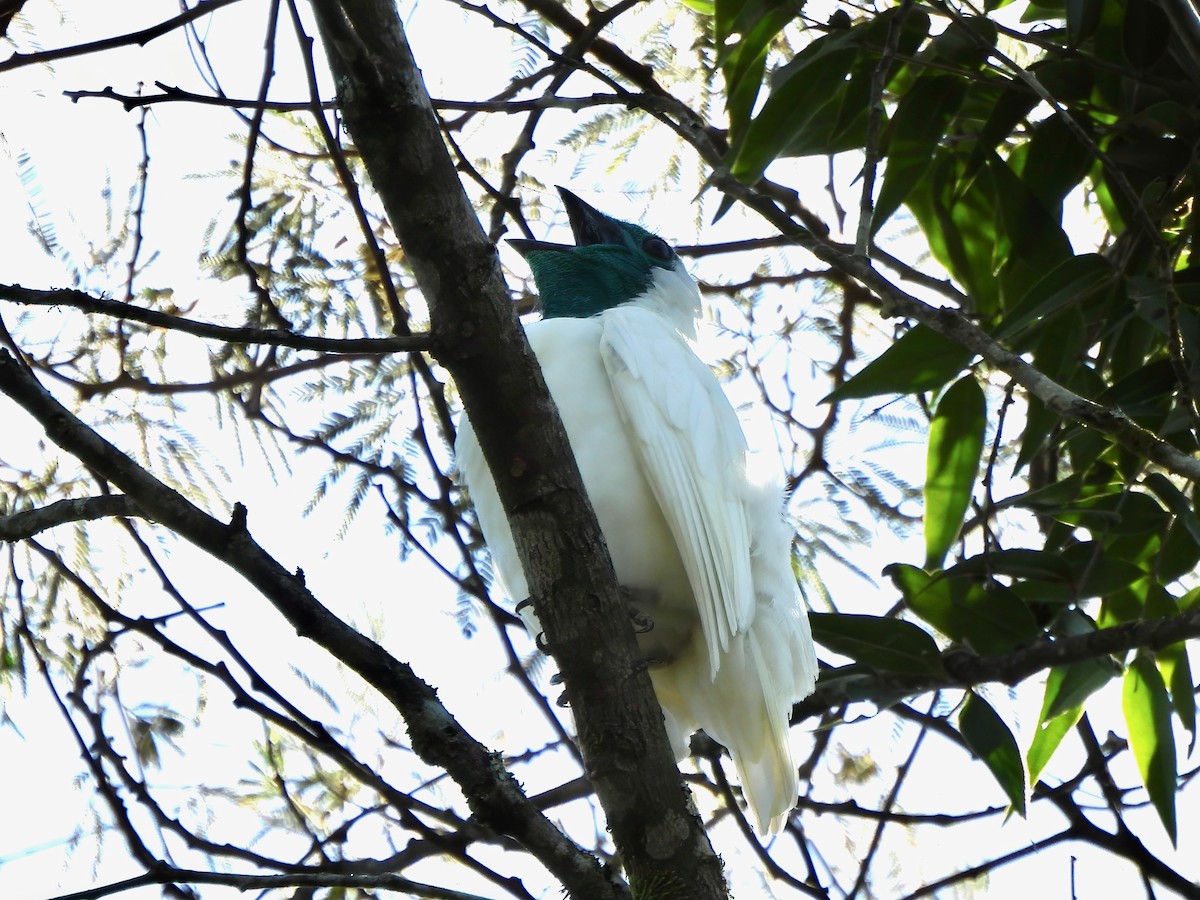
478, 339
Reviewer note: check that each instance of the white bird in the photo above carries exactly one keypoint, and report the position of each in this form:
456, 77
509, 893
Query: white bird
701, 545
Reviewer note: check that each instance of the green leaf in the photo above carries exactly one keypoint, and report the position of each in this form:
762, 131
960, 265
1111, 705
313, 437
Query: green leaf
1052, 496
921, 360
1098, 573
145, 743
808, 82
990, 619
1018, 562
1190, 600
890, 645
1046, 739
1068, 686
1054, 162
1068, 284
1057, 346
1124, 511
1029, 238
1083, 17
734, 16
1148, 715
1128, 603
1146, 32
1175, 500
956, 438
1066, 689
1007, 104
991, 741
1070, 81
1174, 664
1145, 387
745, 62
958, 214
704, 7
966, 42
1177, 556
922, 117
841, 123
1178, 673
819, 99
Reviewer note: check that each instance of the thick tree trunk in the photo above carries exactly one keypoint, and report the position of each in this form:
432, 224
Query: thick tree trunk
478, 339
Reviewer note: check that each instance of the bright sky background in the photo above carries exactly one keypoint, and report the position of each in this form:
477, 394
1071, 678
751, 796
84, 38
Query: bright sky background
77, 148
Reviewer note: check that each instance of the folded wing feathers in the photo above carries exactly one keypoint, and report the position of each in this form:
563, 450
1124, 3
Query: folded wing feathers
707, 571
694, 452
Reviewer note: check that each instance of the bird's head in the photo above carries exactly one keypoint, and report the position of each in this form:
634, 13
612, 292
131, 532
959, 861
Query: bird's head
611, 263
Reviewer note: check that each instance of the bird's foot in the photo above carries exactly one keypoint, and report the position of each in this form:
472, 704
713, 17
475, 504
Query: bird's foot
557, 679
539, 638
635, 599
643, 663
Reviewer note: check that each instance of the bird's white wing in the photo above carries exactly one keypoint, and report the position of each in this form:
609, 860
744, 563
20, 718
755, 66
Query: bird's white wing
693, 452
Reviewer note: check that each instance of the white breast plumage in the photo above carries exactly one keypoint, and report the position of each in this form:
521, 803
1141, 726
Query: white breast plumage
663, 458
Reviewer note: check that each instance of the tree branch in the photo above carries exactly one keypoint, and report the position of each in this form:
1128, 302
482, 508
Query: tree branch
173, 94
954, 324
275, 337
164, 874
965, 669
436, 736
28, 522
605, 51
141, 38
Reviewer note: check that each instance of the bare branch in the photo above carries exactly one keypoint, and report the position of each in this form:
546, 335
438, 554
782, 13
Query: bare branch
141, 38
275, 337
28, 522
164, 874
173, 94
436, 736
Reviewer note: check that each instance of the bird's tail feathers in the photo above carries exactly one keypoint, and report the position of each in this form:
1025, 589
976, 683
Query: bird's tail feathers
746, 708
765, 765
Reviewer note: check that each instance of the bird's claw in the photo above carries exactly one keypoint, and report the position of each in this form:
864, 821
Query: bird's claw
561, 701
635, 599
524, 604
642, 623
650, 662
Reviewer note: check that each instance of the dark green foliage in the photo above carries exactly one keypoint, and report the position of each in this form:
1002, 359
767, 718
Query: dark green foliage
886, 644
1059, 195
990, 740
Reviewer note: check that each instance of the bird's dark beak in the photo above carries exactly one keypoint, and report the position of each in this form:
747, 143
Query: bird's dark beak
525, 247
590, 226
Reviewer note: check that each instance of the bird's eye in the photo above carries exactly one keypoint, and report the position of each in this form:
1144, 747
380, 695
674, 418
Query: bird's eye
657, 247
